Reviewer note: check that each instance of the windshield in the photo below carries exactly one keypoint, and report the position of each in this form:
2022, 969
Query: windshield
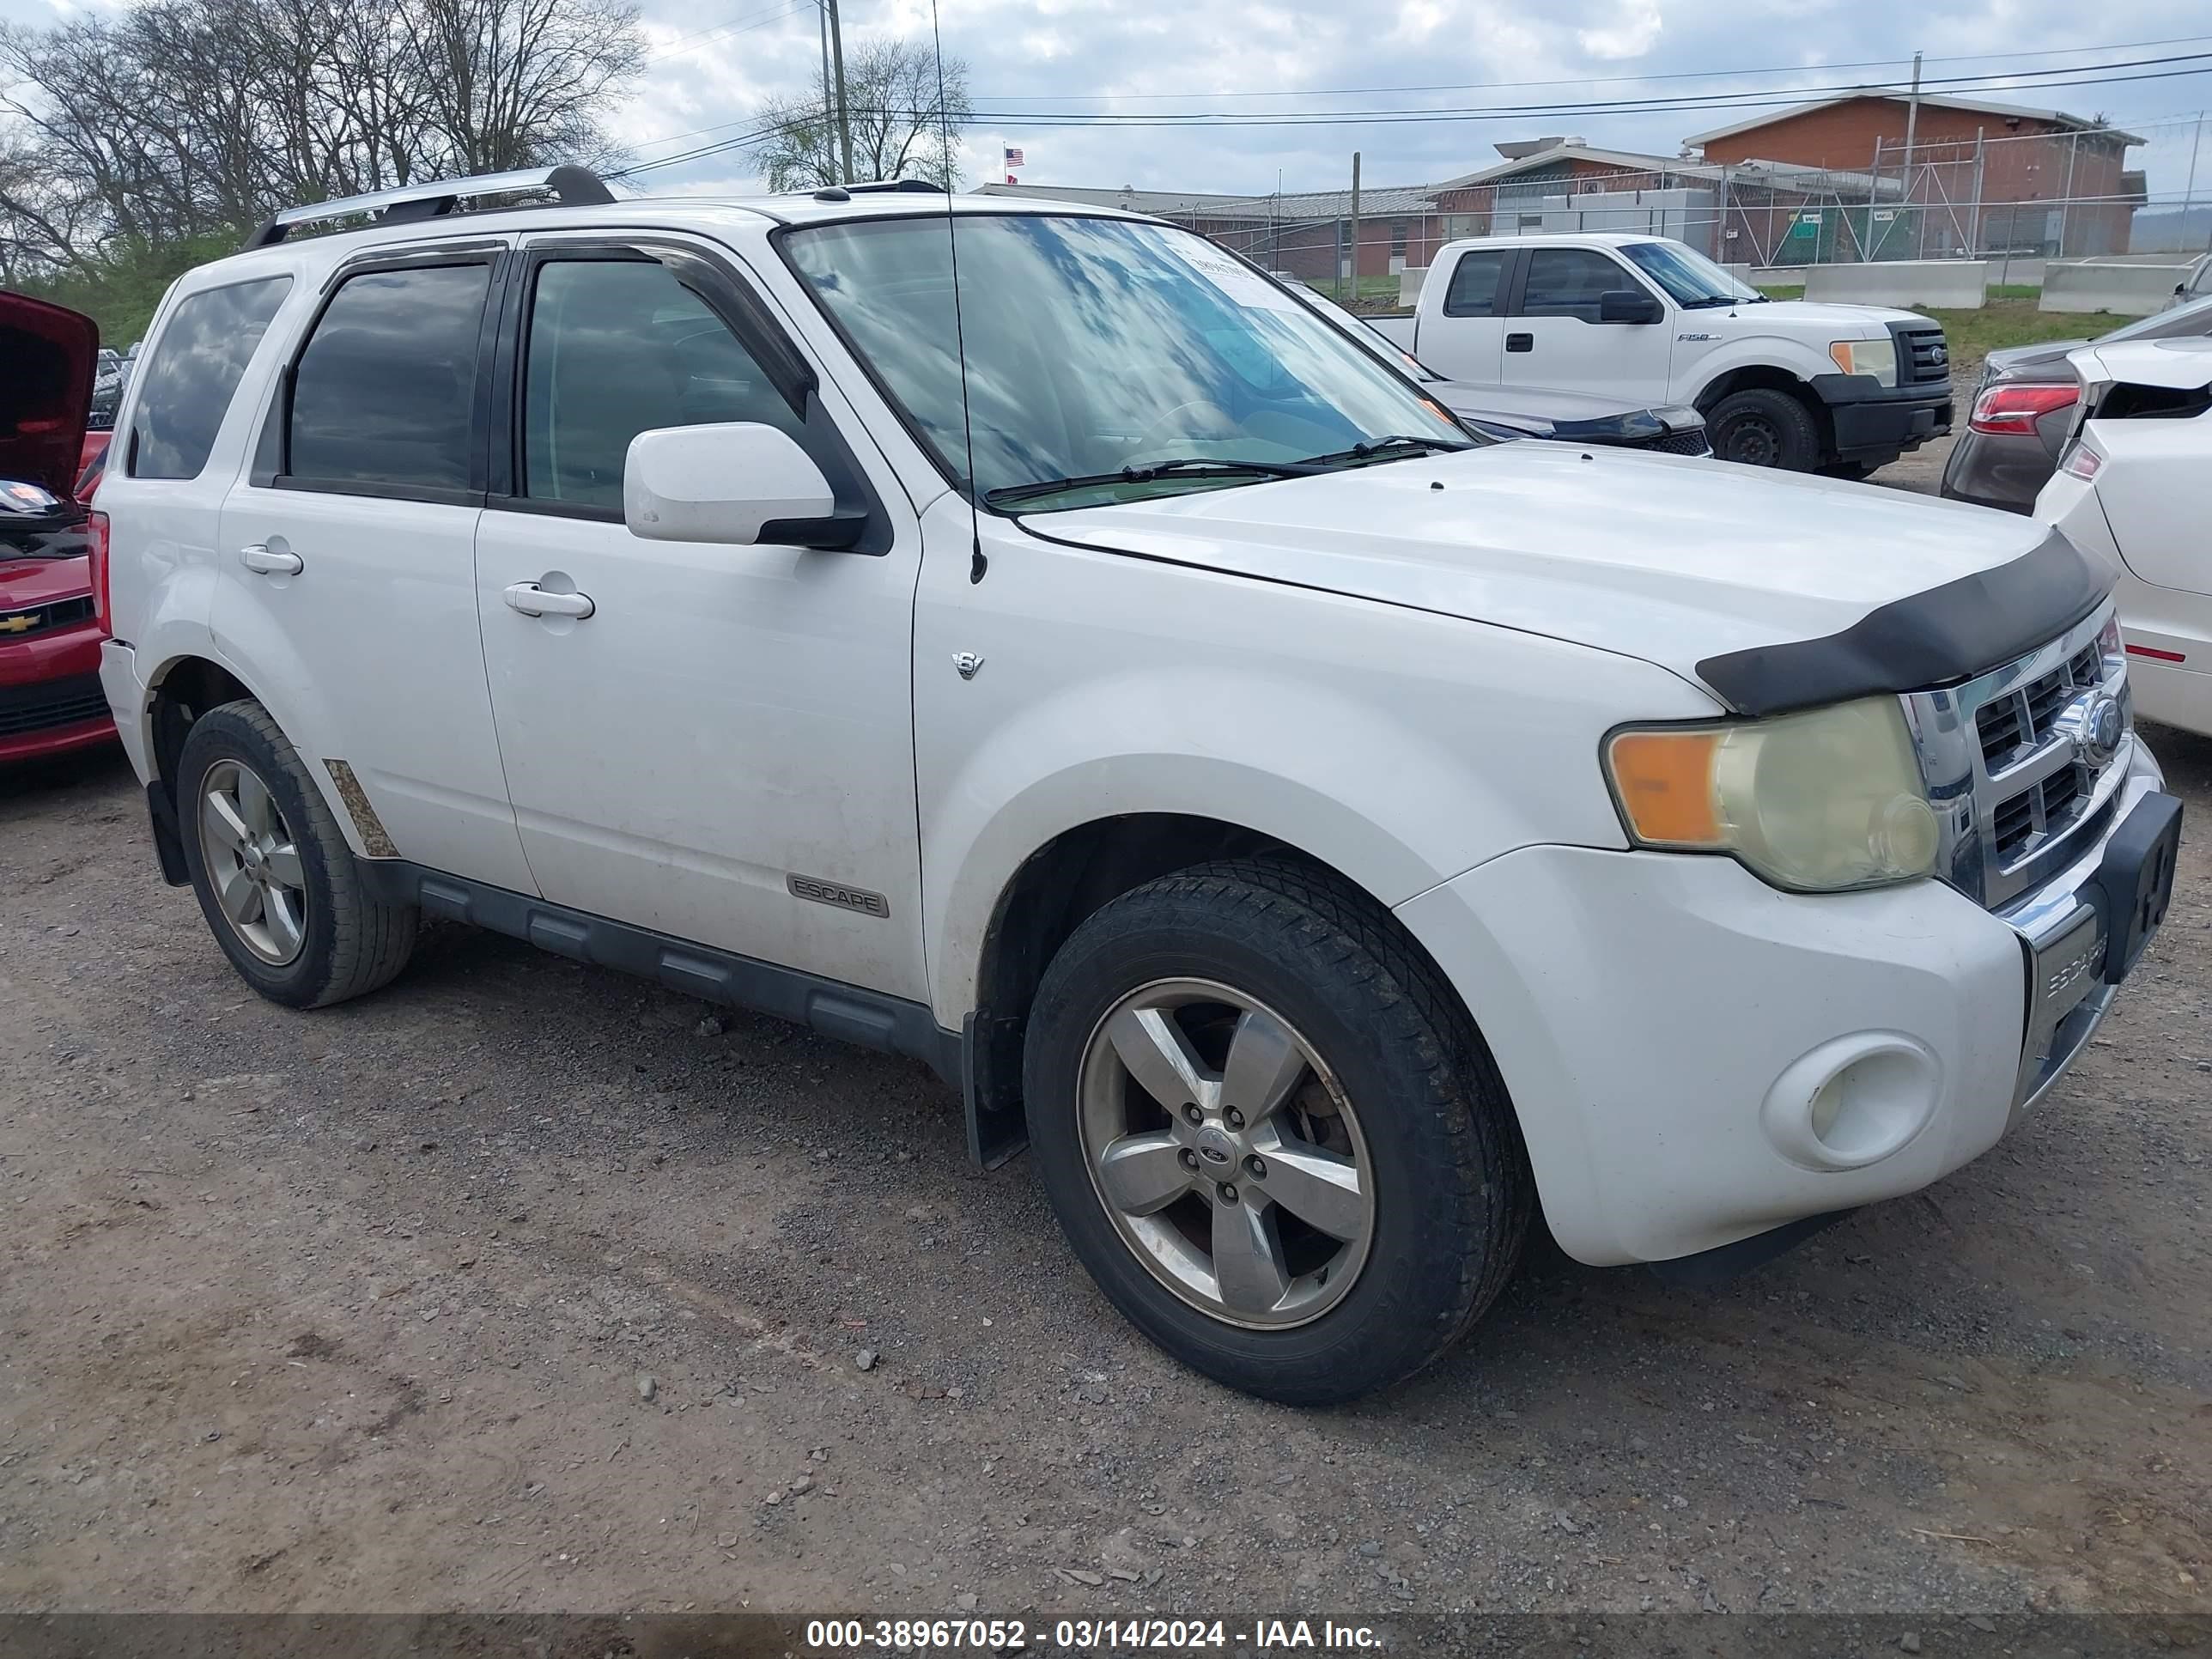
2194, 318
1691, 277
1100, 346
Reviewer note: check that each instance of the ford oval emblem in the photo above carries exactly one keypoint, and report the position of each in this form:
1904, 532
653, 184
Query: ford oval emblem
2103, 726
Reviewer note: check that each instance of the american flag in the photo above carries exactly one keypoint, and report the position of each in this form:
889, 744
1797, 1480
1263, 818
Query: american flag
1014, 157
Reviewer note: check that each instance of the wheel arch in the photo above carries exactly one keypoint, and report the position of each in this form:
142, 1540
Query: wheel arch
1063, 882
1769, 376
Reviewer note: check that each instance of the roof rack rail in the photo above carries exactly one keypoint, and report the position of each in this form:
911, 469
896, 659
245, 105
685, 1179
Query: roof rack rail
884, 187
571, 186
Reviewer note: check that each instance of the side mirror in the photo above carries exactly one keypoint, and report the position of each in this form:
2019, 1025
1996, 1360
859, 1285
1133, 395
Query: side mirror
1628, 306
739, 483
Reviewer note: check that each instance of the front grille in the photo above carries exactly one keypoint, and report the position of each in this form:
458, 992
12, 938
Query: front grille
42, 618
1681, 443
2038, 814
2012, 724
51, 704
2017, 783
1922, 357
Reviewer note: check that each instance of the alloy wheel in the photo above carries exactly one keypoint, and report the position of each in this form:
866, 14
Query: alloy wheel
1225, 1153
252, 862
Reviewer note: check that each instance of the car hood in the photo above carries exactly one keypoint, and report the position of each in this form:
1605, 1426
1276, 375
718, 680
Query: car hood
1542, 412
50, 353
1847, 322
1657, 556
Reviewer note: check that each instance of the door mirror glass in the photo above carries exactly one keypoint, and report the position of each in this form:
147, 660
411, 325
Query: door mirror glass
739, 483
1626, 306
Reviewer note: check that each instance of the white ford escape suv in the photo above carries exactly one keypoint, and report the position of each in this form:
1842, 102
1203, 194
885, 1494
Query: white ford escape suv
1325, 838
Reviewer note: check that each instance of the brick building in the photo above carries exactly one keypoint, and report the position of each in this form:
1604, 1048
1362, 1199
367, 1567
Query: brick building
1989, 177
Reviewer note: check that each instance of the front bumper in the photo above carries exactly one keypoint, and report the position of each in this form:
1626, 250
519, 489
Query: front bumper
1664, 1022
1873, 420
50, 693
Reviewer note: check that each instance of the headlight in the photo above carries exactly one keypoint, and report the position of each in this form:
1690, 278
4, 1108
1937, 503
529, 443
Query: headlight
1874, 357
1820, 801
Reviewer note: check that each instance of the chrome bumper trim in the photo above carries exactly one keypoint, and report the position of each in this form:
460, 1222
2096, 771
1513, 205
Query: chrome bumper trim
2062, 942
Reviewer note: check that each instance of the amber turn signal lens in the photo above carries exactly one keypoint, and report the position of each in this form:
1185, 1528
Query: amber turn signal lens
1665, 781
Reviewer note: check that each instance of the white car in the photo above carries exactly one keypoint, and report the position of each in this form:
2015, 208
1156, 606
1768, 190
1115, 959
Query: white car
2135, 485
1792, 384
1323, 839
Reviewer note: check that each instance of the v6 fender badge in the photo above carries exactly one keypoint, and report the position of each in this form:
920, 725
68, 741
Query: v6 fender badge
969, 663
838, 894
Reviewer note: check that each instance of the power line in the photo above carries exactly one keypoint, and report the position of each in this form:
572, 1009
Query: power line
1595, 107
1617, 80
1029, 120
726, 31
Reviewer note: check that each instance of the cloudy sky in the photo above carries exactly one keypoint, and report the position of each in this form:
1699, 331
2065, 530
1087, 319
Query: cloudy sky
1031, 59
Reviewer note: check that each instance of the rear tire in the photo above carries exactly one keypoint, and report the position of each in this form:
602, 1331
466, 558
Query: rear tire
275, 879
1761, 427
1341, 1238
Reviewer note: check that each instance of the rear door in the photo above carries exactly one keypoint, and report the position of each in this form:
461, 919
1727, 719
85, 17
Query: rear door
722, 749
345, 585
1553, 337
1463, 343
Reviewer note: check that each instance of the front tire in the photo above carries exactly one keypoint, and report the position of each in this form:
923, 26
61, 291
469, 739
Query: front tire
1762, 426
275, 879
1271, 1133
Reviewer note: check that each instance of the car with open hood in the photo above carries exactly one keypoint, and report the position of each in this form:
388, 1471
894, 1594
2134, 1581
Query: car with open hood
50, 693
1031, 640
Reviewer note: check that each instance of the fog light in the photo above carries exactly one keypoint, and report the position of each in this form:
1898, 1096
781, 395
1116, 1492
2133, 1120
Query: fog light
1827, 1105
1853, 1101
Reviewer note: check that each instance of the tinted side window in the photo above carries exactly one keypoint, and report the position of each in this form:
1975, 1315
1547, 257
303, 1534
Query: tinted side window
185, 384
386, 391
617, 347
1473, 290
1567, 282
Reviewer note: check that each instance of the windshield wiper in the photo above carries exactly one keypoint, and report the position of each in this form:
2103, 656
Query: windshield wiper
1190, 466
1378, 449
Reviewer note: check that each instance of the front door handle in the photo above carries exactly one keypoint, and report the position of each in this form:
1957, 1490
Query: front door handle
264, 561
532, 600
1520, 343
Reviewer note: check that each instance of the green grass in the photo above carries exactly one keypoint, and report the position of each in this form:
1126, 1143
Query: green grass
1973, 335
1373, 291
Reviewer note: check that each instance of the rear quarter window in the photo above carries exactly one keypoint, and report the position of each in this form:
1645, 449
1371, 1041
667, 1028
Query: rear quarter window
384, 393
186, 381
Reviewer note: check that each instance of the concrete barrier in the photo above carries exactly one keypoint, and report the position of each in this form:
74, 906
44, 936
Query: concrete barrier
2122, 290
1409, 286
1951, 284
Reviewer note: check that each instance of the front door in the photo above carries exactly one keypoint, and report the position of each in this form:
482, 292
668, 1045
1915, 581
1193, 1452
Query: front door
1463, 344
1554, 339
345, 578
722, 749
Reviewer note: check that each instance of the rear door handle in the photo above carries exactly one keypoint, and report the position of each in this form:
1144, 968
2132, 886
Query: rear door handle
1520, 343
267, 562
532, 600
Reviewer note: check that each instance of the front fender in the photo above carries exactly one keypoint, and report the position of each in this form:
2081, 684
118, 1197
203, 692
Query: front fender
1725, 357
1398, 746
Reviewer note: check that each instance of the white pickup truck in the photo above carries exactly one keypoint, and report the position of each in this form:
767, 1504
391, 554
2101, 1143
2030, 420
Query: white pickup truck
1830, 388
1322, 838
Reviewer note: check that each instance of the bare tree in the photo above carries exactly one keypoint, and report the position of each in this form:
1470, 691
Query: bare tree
901, 126
173, 120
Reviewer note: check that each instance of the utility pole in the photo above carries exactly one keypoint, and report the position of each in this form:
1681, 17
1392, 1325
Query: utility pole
2066, 202
829, 150
1355, 224
2189, 195
844, 123
1911, 127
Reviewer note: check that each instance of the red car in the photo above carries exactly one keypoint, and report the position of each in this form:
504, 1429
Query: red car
50, 622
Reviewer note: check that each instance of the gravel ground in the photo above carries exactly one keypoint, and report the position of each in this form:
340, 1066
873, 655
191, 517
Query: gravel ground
522, 1287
